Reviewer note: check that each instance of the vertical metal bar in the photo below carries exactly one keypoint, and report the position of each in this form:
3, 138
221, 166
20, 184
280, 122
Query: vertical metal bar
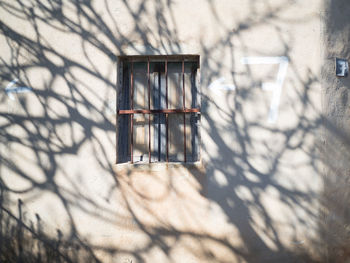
183, 104
166, 115
159, 115
149, 108
166, 83
132, 115
119, 91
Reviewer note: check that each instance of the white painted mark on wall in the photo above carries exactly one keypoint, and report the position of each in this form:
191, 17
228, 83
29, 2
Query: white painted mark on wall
111, 107
10, 89
219, 84
275, 87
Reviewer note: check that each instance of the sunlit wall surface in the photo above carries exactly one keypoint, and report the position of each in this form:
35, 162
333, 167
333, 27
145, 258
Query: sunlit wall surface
255, 194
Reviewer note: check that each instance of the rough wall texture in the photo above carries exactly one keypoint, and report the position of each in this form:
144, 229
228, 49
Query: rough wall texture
336, 216
254, 196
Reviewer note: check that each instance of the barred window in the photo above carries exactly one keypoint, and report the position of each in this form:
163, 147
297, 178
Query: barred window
158, 109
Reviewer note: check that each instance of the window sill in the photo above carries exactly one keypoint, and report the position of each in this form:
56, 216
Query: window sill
161, 166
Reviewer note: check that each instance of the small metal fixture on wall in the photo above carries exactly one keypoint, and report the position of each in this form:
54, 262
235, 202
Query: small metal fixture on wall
341, 67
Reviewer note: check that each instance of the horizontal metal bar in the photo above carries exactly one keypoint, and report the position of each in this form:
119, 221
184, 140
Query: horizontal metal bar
161, 58
159, 111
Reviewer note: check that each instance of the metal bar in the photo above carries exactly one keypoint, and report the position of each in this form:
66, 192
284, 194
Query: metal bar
149, 108
183, 104
166, 84
159, 103
132, 115
160, 58
166, 111
119, 85
167, 136
167, 106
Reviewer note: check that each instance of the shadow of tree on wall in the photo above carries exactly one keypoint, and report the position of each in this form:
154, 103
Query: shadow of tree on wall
23, 240
82, 109
334, 226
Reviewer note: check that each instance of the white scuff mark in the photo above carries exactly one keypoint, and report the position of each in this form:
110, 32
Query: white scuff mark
220, 85
10, 89
111, 107
275, 87
298, 242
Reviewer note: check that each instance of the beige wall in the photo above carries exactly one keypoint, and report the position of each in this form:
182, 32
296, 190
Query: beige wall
254, 197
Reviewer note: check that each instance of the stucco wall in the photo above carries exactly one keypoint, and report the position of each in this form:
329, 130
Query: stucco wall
335, 92
253, 197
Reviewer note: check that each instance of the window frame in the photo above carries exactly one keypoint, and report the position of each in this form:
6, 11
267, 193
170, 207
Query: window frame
132, 111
